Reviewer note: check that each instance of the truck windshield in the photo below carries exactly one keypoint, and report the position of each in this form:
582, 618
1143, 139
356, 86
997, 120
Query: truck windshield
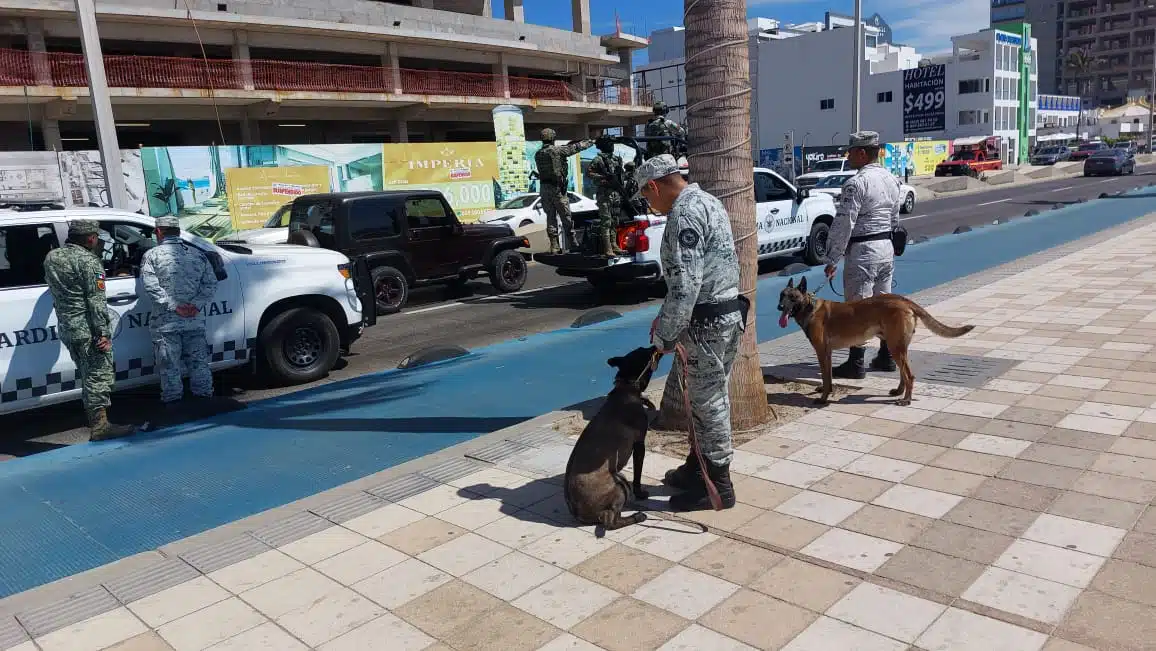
835, 181
963, 155
831, 165
280, 219
524, 201
315, 216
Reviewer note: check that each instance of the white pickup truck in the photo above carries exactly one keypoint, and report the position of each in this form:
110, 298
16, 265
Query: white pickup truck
789, 221
294, 309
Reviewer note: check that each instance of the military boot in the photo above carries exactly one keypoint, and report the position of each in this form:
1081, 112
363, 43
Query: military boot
852, 369
571, 242
609, 245
696, 498
555, 247
101, 430
883, 361
685, 477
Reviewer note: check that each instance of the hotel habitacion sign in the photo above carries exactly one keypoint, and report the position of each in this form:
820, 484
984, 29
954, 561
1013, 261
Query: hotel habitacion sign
924, 99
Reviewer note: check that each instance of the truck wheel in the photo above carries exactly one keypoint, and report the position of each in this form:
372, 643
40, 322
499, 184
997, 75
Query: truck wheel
390, 290
815, 250
299, 345
908, 203
508, 271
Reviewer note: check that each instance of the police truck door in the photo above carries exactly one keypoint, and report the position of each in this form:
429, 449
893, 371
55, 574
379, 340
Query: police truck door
775, 213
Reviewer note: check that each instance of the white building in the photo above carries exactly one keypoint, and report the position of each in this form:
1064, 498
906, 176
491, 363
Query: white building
1057, 118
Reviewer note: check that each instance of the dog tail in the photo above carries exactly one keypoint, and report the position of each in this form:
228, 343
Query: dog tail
936, 326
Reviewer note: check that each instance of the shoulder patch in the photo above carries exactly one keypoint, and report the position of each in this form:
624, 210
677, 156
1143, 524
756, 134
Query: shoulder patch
688, 238
100, 280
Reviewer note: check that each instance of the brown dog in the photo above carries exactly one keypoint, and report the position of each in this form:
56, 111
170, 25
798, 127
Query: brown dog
830, 325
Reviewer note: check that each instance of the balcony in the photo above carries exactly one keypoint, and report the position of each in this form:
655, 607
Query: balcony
66, 70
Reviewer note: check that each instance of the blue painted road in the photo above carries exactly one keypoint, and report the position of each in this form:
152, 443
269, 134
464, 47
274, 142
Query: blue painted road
80, 507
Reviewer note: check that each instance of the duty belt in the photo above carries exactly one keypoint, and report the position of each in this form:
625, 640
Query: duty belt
885, 235
704, 311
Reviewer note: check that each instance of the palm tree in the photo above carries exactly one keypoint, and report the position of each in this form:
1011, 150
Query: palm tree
1081, 61
718, 94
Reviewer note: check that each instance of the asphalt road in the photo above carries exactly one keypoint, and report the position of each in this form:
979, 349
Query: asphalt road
476, 316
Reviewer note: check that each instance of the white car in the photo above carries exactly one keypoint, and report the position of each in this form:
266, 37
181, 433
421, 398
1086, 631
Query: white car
275, 231
820, 170
526, 209
833, 185
789, 221
294, 307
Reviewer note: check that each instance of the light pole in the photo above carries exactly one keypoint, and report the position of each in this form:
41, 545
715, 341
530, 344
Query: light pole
101, 104
833, 138
803, 150
857, 68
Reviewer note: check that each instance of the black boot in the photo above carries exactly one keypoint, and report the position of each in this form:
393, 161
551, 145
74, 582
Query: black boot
685, 477
883, 361
852, 369
697, 499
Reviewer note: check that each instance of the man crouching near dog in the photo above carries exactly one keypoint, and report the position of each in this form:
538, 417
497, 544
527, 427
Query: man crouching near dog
868, 212
704, 312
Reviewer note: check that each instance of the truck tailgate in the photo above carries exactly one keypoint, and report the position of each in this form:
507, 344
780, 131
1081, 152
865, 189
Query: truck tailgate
579, 261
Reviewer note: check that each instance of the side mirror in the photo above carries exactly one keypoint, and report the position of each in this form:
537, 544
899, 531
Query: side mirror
802, 194
458, 229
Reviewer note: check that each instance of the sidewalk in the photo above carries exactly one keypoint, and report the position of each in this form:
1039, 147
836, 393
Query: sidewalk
1008, 509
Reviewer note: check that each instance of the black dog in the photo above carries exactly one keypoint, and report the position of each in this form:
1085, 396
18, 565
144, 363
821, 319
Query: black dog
595, 489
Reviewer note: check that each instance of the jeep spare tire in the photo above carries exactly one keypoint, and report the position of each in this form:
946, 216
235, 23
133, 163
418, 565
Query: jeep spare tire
299, 345
508, 271
302, 237
390, 289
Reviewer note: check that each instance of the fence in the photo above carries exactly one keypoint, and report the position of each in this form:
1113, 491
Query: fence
23, 68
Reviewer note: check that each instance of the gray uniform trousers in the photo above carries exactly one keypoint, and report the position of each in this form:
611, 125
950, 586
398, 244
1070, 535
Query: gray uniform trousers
711, 347
863, 279
189, 347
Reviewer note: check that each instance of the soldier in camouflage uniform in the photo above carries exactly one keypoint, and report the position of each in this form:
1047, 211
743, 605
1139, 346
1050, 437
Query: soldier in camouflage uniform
607, 173
75, 277
704, 312
658, 126
868, 212
553, 179
178, 278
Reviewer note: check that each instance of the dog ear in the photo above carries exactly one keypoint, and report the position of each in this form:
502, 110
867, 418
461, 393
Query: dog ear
803, 285
614, 361
790, 283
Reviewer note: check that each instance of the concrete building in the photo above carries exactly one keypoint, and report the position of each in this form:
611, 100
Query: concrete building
1058, 118
298, 71
664, 76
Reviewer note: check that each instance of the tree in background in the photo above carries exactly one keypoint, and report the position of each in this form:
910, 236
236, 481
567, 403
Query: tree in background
1081, 61
718, 116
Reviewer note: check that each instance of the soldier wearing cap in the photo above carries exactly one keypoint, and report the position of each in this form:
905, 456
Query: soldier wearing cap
180, 281
705, 313
552, 161
75, 277
868, 213
660, 126
606, 170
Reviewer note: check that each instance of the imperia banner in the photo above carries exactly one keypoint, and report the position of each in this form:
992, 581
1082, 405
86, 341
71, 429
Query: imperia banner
924, 99
464, 172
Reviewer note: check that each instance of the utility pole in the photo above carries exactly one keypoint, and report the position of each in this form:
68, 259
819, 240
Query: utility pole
858, 66
101, 104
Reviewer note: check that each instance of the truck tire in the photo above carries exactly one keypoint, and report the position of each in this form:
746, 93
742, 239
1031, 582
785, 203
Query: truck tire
815, 251
390, 289
299, 345
508, 271
908, 204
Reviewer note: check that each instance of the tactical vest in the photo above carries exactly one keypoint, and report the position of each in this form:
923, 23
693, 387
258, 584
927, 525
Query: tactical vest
546, 171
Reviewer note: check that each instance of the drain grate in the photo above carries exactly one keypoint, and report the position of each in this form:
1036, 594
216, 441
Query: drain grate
967, 371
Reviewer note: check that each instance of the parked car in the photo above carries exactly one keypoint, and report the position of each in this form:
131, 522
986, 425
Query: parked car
1051, 155
1115, 162
408, 238
833, 185
294, 310
969, 162
275, 231
820, 170
1087, 149
526, 209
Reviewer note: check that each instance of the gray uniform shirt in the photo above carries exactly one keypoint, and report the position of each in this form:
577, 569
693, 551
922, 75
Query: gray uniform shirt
174, 273
698, 260
869, 204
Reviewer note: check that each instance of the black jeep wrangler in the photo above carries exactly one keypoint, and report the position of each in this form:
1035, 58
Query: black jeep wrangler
409, 238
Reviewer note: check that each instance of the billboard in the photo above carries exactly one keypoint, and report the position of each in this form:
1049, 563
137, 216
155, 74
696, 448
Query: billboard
919, 158
255, 193
924, 99
464, 172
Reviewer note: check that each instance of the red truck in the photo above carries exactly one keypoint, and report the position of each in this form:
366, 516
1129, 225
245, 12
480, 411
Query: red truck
971, 157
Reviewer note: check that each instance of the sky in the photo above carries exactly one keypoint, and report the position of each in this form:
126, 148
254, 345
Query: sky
926, 25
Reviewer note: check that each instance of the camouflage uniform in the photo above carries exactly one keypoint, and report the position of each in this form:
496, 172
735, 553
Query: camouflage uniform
868, 205
75, 278
701, 267
659, 126
607, 173
553, 190
174, 273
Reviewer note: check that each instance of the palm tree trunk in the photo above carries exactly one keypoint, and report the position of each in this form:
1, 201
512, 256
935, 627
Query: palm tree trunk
718, 100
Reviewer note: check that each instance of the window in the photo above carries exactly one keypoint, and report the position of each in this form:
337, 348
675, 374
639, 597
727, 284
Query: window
968, 117
280, 219
524, 201
968, 86
827, 104
123, 247
883, 98
374, 218
574, 198
22, 252
427, 212
770, 188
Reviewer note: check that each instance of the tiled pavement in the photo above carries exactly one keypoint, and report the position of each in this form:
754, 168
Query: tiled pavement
1012, 516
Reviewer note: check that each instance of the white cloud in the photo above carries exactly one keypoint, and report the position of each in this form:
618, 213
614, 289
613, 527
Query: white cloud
928, 25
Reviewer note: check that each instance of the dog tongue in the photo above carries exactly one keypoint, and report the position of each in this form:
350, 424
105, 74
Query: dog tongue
783, 320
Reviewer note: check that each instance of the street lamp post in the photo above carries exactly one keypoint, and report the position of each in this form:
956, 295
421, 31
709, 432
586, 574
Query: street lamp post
857, 67
101, 104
